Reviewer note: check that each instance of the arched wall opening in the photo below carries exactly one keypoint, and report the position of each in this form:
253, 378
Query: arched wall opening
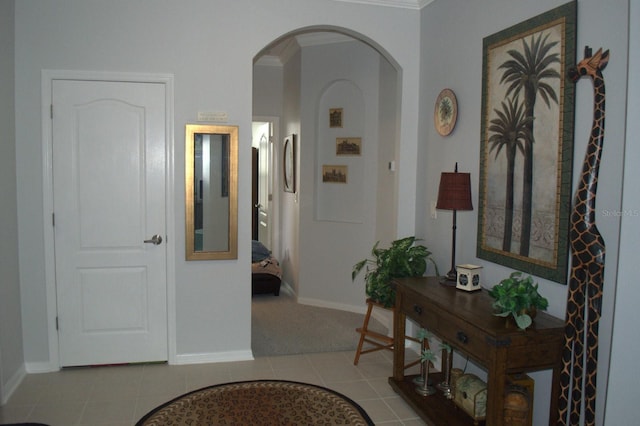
345, 198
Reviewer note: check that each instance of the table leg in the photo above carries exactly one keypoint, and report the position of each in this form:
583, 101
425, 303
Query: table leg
496, 385
399, 328
555, 396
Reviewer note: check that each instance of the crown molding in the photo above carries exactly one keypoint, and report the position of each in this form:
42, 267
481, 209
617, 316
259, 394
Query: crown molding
406, 4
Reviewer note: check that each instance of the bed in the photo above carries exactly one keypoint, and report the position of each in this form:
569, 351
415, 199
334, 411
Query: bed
266, 274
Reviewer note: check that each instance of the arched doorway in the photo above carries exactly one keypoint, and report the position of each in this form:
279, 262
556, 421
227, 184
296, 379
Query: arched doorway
324, 227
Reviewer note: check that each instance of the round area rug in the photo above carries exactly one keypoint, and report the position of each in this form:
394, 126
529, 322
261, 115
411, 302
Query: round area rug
262, 402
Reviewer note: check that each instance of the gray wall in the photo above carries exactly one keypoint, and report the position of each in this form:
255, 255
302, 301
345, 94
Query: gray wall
337, 221
11, 356
436, 48
623, 373
212, 66
457, 64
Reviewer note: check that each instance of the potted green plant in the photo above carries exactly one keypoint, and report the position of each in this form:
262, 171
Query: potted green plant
518, 297
403, 258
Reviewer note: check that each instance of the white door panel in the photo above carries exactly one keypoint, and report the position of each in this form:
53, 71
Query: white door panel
265, 139
109, 197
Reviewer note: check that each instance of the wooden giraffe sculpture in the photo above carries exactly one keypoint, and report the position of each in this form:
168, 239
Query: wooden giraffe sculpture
578, 375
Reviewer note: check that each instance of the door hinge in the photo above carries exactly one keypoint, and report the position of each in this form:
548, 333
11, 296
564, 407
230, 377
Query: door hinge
57, 324
51, 111
53, 219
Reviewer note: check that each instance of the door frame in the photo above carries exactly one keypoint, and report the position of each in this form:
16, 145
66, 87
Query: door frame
47, 78
275, 200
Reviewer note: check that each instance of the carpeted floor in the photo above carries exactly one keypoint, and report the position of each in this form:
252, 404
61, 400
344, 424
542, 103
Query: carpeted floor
280, 326
260, 402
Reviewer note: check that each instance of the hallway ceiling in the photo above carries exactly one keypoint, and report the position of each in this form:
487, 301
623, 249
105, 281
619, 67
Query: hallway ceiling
278, 53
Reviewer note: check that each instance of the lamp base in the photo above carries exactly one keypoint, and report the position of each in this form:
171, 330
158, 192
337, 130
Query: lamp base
450, 279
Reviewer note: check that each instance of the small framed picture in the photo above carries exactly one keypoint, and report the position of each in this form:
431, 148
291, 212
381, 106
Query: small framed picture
348, 146
334, 174
335, 117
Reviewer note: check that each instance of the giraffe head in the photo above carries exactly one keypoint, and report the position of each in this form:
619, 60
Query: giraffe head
590, 65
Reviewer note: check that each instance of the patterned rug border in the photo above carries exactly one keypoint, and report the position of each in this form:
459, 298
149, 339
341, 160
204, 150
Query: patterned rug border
355, 405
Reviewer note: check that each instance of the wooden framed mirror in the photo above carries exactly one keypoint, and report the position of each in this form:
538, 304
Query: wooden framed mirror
211, 192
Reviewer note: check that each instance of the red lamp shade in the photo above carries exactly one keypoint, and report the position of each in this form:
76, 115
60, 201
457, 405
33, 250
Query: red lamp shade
454, 192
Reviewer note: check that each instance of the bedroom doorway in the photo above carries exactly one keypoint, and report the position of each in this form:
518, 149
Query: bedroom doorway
263, 134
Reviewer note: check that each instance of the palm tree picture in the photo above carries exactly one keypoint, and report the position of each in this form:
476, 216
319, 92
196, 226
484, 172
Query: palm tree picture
510, 132
530, 71
527, 144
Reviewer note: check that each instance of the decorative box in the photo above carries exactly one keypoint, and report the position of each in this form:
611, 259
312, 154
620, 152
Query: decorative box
471, 396
468, 277
518, 401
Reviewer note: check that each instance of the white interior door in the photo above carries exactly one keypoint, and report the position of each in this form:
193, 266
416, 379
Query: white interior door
109, 201
264, 136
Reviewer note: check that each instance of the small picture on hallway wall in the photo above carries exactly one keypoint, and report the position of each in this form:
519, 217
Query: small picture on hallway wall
348, 146
526, 153
335, 117
334, 174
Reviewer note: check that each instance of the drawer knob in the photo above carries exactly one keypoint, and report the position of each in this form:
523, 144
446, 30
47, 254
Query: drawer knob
462, 337
417, 309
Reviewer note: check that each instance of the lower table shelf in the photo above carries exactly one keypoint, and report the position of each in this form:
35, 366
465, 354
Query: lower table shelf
434, 409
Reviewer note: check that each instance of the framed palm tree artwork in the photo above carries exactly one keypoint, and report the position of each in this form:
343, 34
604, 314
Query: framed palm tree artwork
526, 151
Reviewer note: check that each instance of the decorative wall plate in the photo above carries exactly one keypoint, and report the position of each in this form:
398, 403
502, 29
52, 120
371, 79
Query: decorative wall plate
446, 112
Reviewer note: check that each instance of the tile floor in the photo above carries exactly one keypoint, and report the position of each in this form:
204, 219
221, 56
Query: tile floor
119, 396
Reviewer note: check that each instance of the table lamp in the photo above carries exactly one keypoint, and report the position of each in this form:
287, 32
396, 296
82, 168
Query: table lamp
454, 194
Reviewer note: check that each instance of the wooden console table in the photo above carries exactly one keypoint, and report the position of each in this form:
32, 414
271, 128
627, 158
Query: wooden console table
465, 321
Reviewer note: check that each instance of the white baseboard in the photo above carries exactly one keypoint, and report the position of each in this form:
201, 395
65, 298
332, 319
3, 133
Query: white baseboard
12, 384
41, 367
383, 316
332, 305
286, 287
230, 356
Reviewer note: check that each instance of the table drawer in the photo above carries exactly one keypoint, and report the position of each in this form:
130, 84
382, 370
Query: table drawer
464, 336
420, 313
446, 327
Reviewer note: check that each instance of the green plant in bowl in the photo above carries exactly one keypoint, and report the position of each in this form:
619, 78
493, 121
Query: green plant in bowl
403, 258
518, 297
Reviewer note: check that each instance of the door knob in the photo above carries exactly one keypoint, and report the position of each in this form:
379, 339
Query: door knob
155, 240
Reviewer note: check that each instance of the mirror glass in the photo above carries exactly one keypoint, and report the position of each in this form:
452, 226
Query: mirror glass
211, 192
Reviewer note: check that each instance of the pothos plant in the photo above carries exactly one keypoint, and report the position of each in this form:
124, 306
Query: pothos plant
517, 296
403, 258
